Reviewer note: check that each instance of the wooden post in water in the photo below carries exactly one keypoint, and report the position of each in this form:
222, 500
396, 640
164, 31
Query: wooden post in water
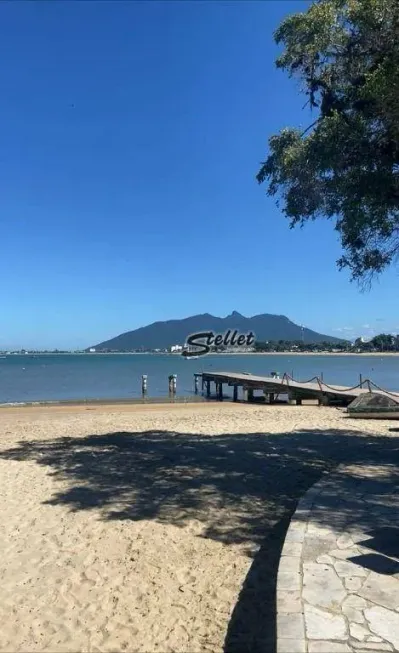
208, 388
361, 380
235, 393
144, 385
172, 384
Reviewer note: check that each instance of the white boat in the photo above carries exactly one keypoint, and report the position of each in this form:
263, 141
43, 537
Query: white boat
189, 353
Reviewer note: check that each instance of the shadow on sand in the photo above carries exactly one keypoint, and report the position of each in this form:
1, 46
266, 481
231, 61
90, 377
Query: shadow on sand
242, 487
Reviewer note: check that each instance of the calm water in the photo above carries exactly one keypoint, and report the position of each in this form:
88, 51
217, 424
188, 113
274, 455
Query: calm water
61, 377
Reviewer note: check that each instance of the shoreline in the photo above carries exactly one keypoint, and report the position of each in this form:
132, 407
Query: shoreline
125, 402
228, 353
104, 408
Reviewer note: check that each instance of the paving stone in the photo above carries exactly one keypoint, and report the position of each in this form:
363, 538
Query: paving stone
313, 547
328, 647
370, 647
289, 563
321, 586
315, 529
295, 535
286, 580
290, 626
316, 569
348, 608
344, 541
326, 559
353, 614
321, 624
302, 514
384, 623
344, 554
288, 601
305, 503
290, 645
353, 584
347, 568
354, 601
359, 632
382, 590
292, 549
358, 536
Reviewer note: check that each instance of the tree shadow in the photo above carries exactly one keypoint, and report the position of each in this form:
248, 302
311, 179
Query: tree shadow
242, 487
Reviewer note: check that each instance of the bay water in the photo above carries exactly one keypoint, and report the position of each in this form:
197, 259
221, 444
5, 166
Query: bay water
47, 377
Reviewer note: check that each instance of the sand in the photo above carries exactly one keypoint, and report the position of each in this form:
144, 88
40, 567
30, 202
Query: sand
156, 528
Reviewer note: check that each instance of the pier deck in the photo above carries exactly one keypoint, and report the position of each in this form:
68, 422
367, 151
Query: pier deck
296, 390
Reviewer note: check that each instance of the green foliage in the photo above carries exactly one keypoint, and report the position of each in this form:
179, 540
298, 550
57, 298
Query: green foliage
299, 346
381, 343
345, 166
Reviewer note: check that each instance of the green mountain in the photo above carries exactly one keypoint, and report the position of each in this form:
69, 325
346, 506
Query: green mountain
165, 334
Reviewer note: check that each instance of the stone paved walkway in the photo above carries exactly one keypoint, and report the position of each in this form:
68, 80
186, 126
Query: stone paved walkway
338, 579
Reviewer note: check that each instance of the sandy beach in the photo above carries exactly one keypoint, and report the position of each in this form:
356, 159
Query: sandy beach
158, 527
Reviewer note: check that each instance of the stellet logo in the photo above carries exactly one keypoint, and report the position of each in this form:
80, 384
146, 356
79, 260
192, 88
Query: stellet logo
205, 340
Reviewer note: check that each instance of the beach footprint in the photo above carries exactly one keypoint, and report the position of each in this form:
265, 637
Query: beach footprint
186, 579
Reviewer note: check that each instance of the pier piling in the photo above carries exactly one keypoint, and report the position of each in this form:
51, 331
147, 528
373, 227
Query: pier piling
208, 388
297, 391
172, 384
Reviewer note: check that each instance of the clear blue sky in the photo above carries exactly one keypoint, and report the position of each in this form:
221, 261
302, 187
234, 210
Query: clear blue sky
130, 137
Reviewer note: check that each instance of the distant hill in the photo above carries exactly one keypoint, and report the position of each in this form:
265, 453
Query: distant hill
165, 334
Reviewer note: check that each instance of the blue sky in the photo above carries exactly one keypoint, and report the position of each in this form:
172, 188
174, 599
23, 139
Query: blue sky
131, 134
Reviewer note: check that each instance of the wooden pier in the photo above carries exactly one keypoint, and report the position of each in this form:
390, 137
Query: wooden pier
297, 391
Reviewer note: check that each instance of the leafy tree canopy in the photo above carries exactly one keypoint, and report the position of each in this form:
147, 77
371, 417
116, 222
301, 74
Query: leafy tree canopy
345, 165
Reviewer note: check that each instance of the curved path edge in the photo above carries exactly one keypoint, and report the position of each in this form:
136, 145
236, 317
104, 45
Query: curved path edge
338, 576
290, 617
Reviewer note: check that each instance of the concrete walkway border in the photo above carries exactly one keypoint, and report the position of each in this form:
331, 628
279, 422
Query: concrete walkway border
329, 600
290, 619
